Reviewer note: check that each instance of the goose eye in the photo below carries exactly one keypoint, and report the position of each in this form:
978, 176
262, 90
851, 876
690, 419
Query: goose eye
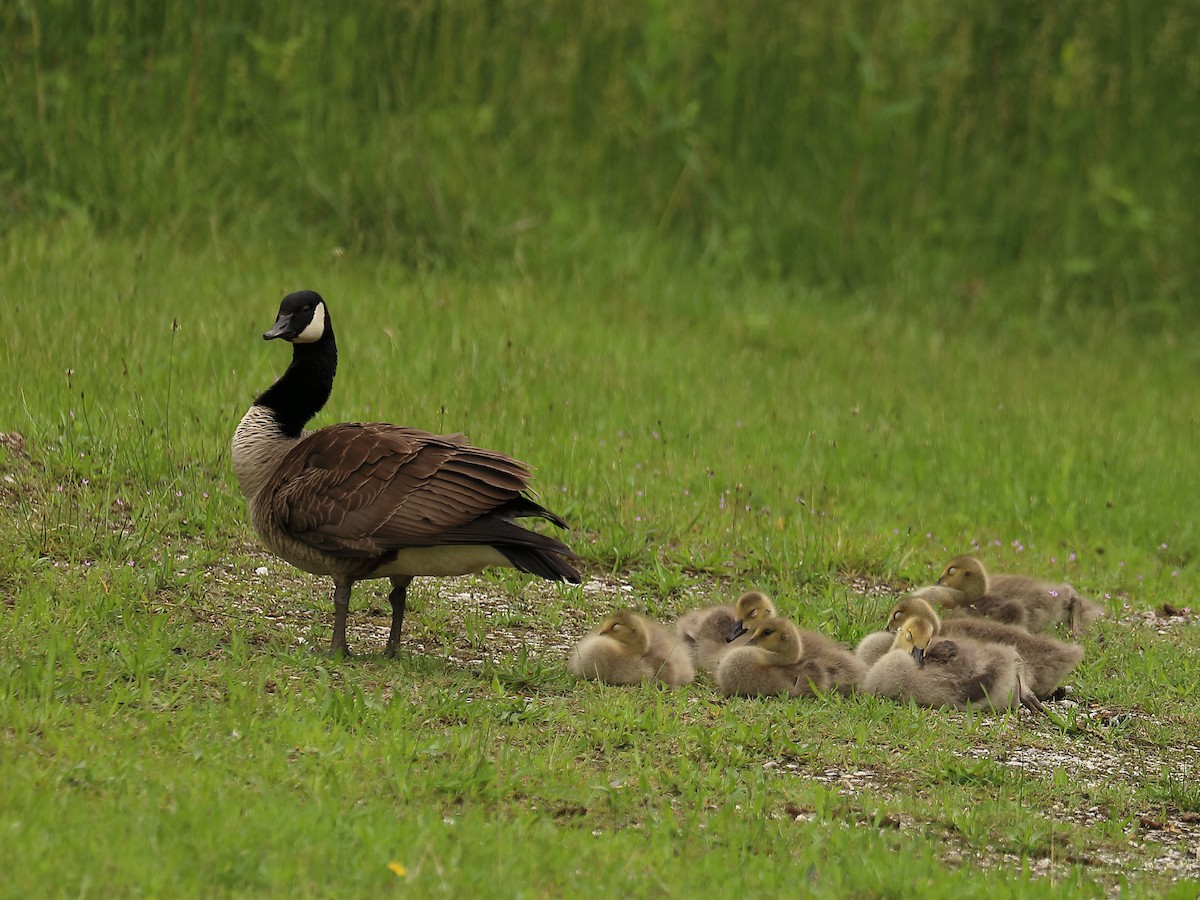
951, 570
767, 632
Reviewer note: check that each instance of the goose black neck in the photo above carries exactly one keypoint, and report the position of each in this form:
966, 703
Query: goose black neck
302, 390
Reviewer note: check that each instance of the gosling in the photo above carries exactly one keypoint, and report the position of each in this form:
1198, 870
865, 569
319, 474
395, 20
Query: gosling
959, 673
872, 648
711, 632
782, 659
1047, 660
1017, 599
628, 649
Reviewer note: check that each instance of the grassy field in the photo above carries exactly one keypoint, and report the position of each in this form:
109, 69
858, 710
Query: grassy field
806, 297
166, 729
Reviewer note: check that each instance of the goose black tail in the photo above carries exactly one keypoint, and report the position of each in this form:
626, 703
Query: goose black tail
543, 563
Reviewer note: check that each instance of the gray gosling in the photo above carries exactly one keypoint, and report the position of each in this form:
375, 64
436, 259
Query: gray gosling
753, 608
959, 672
712, 632
370, 500
628, 649
782, 659
1017, 599
872, 647
1047, 660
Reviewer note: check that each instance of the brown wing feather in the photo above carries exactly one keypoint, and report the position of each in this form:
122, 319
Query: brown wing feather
366, 489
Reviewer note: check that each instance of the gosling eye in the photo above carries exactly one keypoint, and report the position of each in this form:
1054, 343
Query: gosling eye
951, 570
767, 632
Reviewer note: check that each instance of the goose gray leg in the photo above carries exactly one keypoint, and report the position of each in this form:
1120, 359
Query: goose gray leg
341, 608
398, 597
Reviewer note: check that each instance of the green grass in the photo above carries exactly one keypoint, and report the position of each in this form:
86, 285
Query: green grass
165, 730
831, 140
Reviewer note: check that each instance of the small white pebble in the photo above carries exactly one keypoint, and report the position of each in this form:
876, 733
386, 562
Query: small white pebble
262, 570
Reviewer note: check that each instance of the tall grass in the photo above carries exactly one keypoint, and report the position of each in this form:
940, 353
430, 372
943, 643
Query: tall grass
840, 141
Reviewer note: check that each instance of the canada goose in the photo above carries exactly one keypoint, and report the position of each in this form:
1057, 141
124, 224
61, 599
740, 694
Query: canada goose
1017, 599
1046, 659
629, 649
782, 659
955, 672
355, 501
711, 632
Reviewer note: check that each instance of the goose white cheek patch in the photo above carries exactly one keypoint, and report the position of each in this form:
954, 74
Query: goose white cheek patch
313, 330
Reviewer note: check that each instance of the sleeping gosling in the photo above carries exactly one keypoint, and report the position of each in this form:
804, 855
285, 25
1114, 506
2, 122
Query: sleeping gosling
960, 673
628, 649
782, 659
1047, 660
753, 608
872, 647
1017, 599
711, 632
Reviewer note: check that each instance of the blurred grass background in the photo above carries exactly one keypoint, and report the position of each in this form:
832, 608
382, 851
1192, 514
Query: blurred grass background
838, 142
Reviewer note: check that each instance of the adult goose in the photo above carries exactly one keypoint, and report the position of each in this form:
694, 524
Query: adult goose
371, 500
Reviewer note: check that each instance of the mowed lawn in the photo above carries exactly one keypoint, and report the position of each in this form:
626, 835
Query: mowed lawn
166, 728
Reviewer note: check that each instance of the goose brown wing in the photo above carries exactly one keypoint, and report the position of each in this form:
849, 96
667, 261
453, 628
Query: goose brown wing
362, 490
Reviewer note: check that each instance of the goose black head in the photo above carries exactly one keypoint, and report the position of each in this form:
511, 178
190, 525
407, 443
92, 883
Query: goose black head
302, 319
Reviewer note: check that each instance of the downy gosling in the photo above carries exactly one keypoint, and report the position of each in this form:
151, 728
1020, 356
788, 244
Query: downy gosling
628, 649
783, 659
